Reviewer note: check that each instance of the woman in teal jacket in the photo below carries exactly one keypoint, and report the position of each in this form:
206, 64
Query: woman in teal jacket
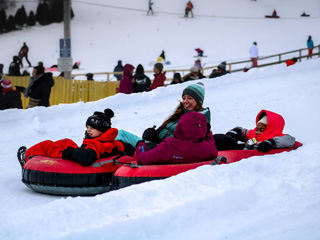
192, 100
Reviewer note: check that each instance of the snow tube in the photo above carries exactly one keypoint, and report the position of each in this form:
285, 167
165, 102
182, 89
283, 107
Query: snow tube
129, 174
64, 177
271, 16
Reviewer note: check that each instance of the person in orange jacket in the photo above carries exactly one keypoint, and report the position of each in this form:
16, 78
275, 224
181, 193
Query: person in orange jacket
99, 142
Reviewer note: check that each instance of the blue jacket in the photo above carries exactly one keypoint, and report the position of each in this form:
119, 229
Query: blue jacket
310, 43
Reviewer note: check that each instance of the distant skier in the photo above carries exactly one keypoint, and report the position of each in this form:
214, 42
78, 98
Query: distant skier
150, 3
189, 9
199, 52
163, 56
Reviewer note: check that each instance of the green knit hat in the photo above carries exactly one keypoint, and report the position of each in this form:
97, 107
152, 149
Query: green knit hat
196, 91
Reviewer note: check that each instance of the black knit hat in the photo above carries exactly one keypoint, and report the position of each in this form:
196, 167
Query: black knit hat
101, 120
222, 66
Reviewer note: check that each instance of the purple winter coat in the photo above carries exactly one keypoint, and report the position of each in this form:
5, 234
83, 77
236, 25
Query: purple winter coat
190, 143
126, 80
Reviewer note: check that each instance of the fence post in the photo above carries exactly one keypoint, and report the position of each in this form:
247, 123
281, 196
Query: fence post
279, 58
300, 55
230, 70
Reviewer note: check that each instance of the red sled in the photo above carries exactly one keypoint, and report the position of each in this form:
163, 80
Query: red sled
130, 173
58, 176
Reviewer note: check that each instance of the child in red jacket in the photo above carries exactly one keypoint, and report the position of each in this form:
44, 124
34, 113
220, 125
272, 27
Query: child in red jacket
267, 134
159, 76
99, 142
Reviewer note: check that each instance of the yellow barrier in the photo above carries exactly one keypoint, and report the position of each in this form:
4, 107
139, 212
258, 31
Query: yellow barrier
70, 91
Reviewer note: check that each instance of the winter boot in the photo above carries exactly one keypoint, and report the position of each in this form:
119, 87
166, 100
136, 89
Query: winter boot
21, 155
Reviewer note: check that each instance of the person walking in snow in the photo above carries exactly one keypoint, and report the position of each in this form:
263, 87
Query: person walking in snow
125, 85
150, 3
23, 53
192, 141
267, 135
310, 47
188, 9
254, 54
99, 142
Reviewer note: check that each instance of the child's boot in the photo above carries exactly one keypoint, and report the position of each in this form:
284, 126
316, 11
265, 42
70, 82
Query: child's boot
21, 155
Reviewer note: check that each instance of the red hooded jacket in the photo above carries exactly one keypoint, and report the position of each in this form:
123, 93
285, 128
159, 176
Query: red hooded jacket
126, 85
274, 127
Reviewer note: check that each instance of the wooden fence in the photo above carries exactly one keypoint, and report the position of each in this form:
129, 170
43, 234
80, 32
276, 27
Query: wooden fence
234, 66
71, 91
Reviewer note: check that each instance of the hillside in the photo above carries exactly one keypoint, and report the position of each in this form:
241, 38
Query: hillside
104, 32
272, 197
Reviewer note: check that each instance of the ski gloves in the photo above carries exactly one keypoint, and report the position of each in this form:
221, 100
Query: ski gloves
266, 145
151, 134
235, 133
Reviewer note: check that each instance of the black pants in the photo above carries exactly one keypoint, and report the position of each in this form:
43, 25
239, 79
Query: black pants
225, 142
26, 56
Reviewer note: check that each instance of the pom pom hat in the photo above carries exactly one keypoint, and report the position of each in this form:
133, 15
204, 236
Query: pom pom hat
6, 86
196, 91
101, 120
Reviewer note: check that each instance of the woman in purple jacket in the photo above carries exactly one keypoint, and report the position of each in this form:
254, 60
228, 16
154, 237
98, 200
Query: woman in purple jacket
125, 85
191, 142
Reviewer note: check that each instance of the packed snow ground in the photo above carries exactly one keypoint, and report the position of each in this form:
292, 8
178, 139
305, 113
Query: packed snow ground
268, 197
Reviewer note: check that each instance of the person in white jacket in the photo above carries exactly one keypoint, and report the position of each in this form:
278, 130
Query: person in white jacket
254, 53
